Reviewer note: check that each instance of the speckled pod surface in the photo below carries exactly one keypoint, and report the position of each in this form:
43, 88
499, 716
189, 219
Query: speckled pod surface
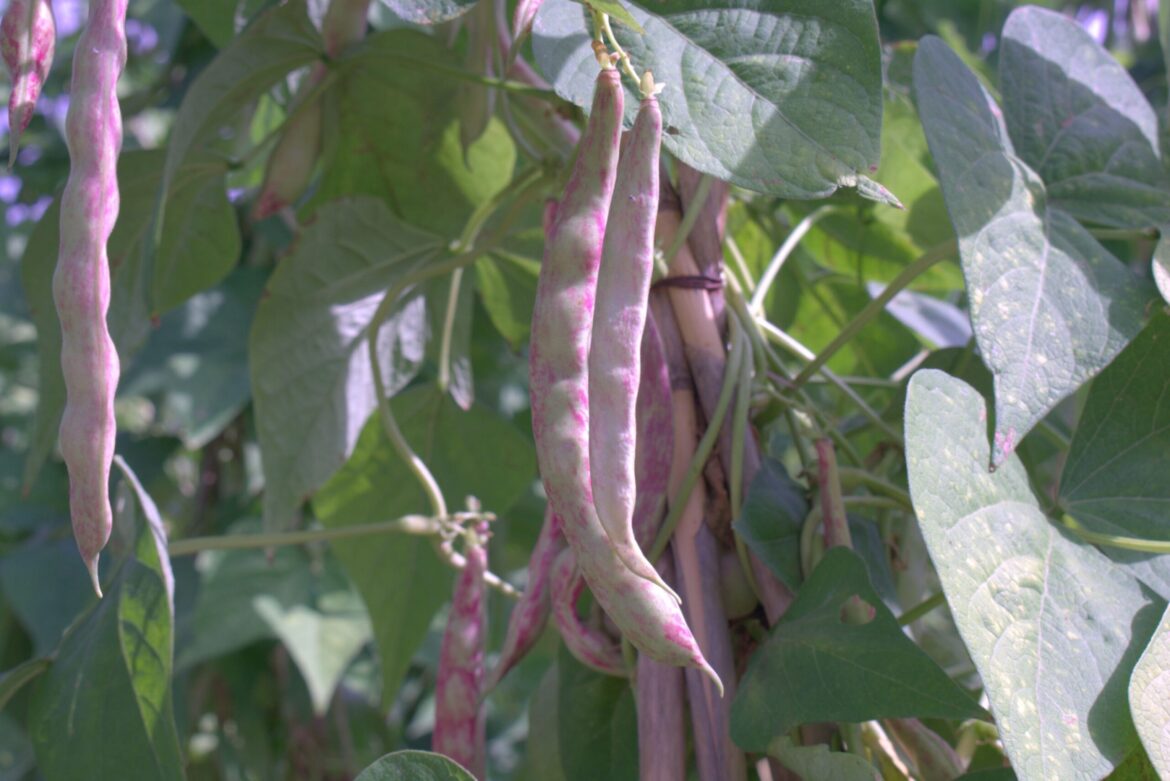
28, 37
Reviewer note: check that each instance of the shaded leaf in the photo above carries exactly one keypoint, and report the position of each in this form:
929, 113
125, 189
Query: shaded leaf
12, 681
817, 667
219, 19
507, 287
744, 86
771, 520
414, 766
1052, 626
1114, 479
1051, 307
429, 11
819, 762
597, 724
1149, 697
312, 383
45, 588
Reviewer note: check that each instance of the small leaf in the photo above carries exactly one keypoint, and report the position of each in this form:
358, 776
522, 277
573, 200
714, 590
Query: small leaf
1053, 627
1114, 478
507, 288
1051, 307
1149, 697
819, 762
744, 85
312, 382
1079, 120
817, 667
414, 766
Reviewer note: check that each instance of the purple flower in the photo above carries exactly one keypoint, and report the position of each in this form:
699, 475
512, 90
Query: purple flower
9, 188
70, 14
142, 38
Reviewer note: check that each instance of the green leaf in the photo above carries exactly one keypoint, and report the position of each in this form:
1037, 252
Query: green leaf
617, 13
1160, 266
815, 666
1114, 478
397, 135
12, 681
507, 287
1079, 120
819, 762
1051, 307
771, 520
542, 761
429, 11
104, 708
472, 453
1052, 625
1149, 697
195, 365
597, 724
219, 19
46, 589
17, 760
312, 383
746, 85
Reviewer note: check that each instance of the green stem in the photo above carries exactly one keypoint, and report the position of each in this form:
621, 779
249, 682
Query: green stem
851, 477
1113, 540
922, 608
449, 330
698, 200
875, 307
485, 210
408, 524
777, 262
627, 66
704, 448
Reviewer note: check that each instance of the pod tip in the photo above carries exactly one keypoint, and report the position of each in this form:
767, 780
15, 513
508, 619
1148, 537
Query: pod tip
91, 566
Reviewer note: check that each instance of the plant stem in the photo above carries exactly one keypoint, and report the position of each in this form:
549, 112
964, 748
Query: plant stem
850, 477
690, 218
790, 241
408, 524
875, 307
627, 66
444, 380
922, 608
1114, 541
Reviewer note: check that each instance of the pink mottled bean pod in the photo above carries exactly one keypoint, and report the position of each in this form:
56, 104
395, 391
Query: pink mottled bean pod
655, 445
530, 615
81, 282
589, 644
460, 728
623, 288
562, 320
28, 36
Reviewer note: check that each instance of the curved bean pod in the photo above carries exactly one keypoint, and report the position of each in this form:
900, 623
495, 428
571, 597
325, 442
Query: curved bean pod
28, 37
561, 327
530, 615
589, 644
623, 289
460, 728
81, 281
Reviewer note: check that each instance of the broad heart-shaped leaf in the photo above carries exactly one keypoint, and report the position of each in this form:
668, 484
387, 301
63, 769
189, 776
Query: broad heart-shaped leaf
472, 453
778, 96
1149, 697
397, 135
415, 766
312, 383
597, 725
1051, 307
1115, 478
817, 667
819, 762
104, 708
771, 520
1079, 120
1053, 627
200, 244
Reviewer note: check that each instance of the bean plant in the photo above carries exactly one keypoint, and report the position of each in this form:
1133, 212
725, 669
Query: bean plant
569, 390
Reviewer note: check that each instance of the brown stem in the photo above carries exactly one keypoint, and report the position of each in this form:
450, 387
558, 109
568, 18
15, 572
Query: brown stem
661, 701
832, 502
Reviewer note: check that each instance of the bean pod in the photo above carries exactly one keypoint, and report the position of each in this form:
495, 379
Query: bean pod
530, 615
81, 281
562, 319
28, 37
655, 444
460, 728
589, 644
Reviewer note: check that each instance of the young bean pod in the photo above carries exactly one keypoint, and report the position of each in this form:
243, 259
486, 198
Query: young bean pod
28, 37
623, 288
558, 370
589, 644
81, 281
530, 614
460, 728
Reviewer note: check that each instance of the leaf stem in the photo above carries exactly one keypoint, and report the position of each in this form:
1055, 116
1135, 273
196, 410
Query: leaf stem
627, 66
698, 200
444, 380
1113, 540
790, 241
922, 608
850, 477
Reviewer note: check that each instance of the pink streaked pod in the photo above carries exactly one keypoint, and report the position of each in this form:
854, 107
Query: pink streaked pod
81, 281
562, 322
460, 727
590, 645
655, 444
623, 289
530, 615
28, 37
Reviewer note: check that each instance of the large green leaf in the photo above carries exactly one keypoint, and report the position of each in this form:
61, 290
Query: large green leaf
1149, 697
1079, 120
1051, 307
816, 666
1052, 625
414, 766
403, 583
397, 135
778, 96
597, 724
104, 708
312, 383
1114, 480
